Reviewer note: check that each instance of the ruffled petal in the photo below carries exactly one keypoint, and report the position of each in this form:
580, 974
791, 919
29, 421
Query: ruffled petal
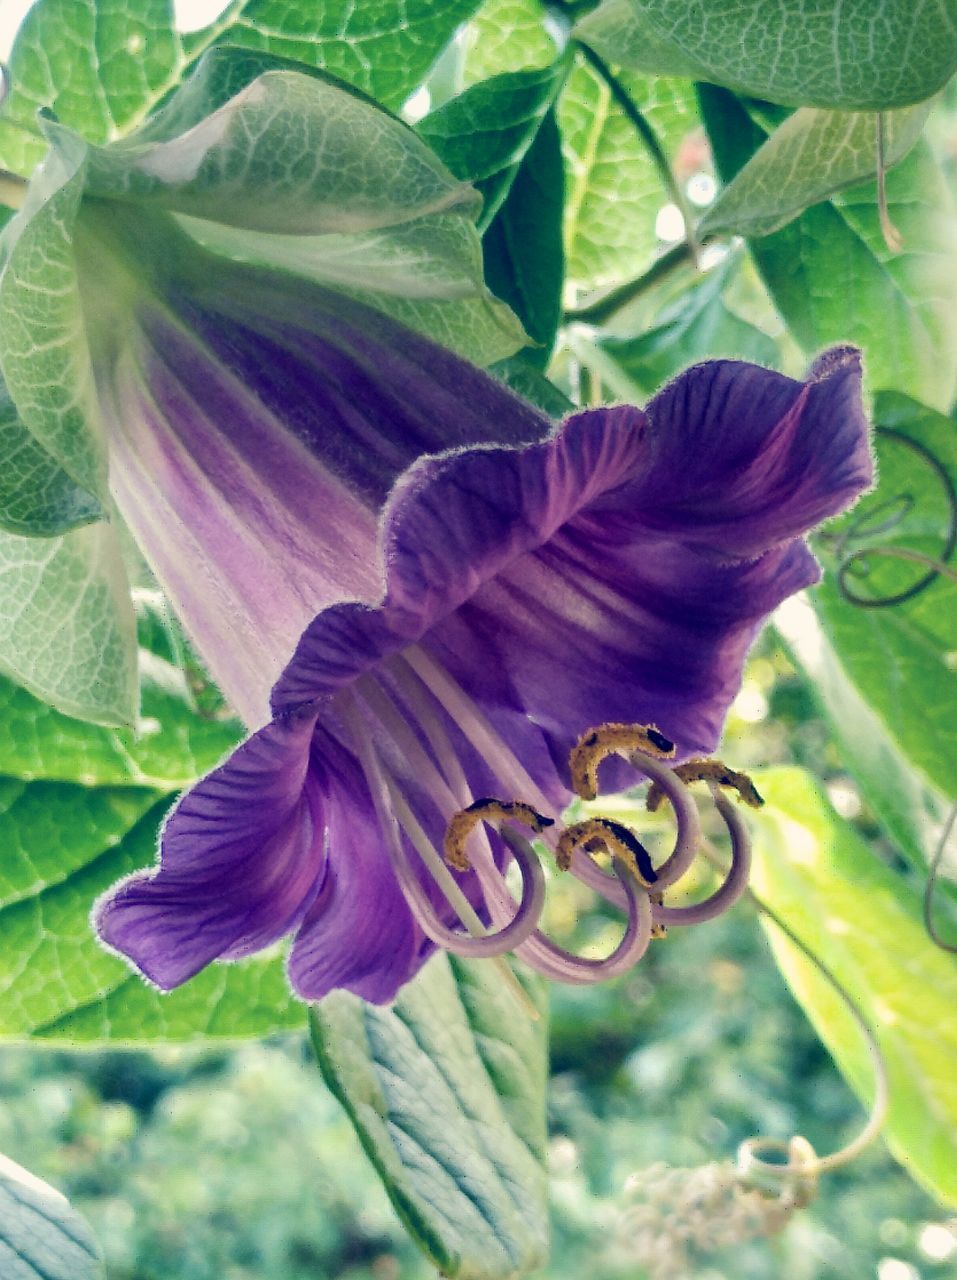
241, 861
742, 459
541, 576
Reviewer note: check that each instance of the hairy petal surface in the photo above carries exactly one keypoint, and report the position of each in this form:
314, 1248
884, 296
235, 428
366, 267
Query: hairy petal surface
577, 580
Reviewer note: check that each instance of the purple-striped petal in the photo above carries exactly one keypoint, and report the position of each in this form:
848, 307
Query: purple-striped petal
255, 432
577, 581
242, 859
359, 933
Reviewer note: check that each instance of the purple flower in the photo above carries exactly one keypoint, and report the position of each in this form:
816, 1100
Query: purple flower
529, 585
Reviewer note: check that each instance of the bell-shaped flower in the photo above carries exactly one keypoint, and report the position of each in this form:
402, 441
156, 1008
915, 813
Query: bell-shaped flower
536, 594
118, 284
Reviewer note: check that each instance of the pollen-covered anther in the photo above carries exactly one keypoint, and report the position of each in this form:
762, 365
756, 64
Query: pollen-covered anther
597, 835
714, 772
489, 810
608, 740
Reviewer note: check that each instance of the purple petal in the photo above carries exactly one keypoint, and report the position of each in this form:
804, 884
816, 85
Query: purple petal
579, 580
255, 432
359, 933
742, 459
242, 858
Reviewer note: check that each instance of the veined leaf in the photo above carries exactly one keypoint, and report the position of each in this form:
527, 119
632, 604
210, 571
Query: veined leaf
864, 922
446, 1091
37, 497
614, 191
67, 630
103, 65
810, 156
42, 1237
696, 321
484, 134
882, 655
848, 54
834, 279
506, 35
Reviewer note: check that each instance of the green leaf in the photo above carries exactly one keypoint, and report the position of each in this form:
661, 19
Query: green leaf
864, 922
287, 153
527, 380
807, 158
484, 134
506, 35
43, 353
614, 191
98, 66
524, 253
446, 1090
279, 175
103, 65
902, 655
67, 630
617, 32
66, 844
837, 53
37, 497
42, 1237
887, 672
695, 322
834, 279
384, 47
168, 749
910, 811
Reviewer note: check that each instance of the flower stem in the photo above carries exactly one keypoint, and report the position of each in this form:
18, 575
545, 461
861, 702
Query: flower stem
608, 306
892, 237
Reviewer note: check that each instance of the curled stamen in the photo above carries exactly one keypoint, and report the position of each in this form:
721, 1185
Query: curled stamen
524, 919
717, 774
735, 882
489, 810
612, 739
563, 966
594, 834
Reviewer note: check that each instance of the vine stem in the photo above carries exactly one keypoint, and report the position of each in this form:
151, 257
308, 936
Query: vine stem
915, 557
608, 305
809, 1166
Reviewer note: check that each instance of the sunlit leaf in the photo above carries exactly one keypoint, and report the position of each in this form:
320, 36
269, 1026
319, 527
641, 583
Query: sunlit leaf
67, 630
613, 190
810, 156
37, 497
103, 65
864, 922
834, 278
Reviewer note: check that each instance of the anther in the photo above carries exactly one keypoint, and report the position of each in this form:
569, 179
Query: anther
612, 739
715, 772
487, 809
594, 835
